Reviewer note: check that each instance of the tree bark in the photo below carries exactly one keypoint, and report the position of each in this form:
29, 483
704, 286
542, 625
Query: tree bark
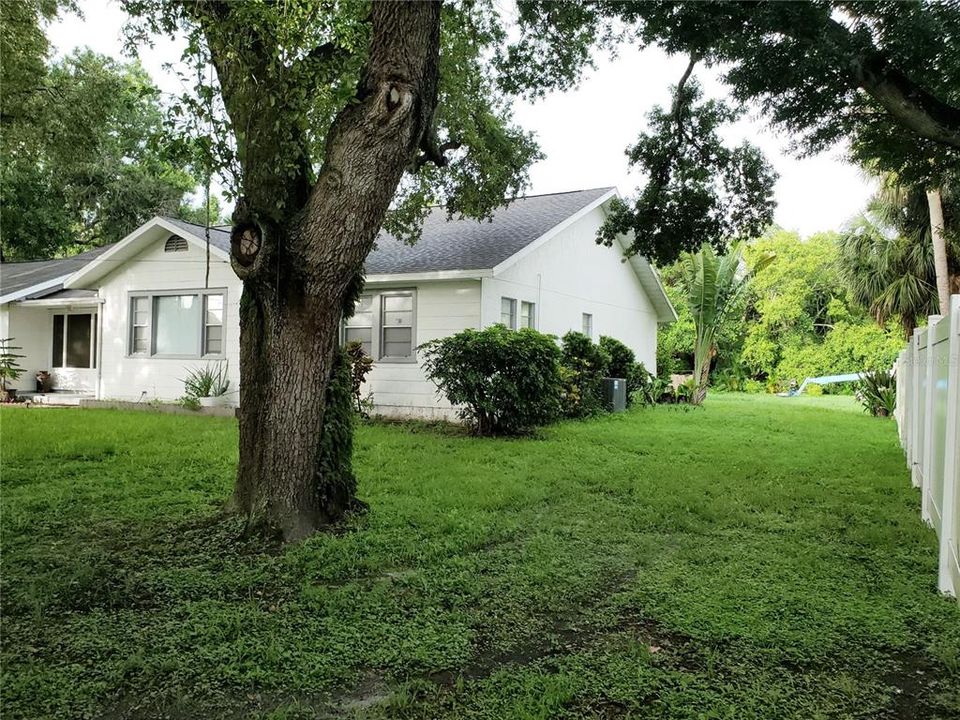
300, 270
939, 249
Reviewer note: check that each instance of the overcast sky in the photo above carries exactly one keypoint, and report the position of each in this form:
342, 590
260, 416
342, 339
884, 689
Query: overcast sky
583, 132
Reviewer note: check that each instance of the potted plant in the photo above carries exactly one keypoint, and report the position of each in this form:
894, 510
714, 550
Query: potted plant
44, 381
208, 385
9, 368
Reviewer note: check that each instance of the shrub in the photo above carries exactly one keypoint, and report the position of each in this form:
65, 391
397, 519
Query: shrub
623, 364
360, 366
814, 389
754, 386
506, 382
588, 364
877, 392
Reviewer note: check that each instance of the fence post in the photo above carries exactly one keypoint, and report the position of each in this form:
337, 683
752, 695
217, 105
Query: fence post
929, 398
916, 424
949, 574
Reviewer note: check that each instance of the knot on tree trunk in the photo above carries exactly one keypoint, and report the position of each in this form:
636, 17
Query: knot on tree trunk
248, 240
396, 100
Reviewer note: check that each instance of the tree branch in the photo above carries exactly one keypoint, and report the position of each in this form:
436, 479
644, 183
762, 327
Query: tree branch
434, 152
906, 101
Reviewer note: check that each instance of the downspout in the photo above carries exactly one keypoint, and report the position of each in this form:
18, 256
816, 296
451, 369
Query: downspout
99, 358
539, 292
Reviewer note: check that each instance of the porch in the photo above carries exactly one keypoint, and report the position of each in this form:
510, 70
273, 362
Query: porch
58, 334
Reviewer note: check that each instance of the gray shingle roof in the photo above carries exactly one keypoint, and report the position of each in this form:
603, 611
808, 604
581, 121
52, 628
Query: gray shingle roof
465, 244
446, 244
16, 276
458, 243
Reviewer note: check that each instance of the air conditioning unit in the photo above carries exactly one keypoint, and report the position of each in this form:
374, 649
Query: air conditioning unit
615, 394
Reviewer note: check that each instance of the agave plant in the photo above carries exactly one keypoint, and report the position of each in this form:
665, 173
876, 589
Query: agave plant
209, 381
877, 392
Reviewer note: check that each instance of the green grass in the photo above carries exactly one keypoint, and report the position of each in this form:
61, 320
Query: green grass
759, 558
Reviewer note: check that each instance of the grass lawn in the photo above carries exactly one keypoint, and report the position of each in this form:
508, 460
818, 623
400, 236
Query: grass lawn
759, 558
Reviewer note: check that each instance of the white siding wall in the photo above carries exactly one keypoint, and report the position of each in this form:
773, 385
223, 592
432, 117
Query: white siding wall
570, 275
129, 378
32, 330
442, 308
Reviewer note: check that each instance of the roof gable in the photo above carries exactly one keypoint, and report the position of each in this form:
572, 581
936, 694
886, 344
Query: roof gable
467, 244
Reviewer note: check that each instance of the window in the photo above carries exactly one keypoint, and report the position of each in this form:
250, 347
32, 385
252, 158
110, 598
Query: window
396, 322
588, 325
75, 341
140, 326
176, 322
188, 324
385, 325
508, 312
360, 327
528, 315
175, 243
213, 324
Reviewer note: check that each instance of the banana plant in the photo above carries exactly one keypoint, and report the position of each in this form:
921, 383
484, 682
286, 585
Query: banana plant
713, 285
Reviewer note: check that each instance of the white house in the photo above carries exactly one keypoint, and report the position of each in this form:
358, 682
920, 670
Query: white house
127, 321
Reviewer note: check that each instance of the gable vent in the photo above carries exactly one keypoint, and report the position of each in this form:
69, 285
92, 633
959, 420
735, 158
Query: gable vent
175, 243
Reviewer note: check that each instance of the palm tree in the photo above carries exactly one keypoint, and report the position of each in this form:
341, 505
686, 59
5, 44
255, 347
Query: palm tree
887, 257
713, 284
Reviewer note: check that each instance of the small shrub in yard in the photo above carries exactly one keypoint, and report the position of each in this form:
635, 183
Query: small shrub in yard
814, 390
506, 382
623, 364
211, 380
360, 366
877, 392
587, 364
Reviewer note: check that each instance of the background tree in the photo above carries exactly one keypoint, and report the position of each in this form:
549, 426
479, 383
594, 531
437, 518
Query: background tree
882, 75
82, 155
887, 257
793, 301
713, 284
318, 111
698, 190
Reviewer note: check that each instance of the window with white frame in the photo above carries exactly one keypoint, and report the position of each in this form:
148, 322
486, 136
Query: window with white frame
588, 325
74, 340
508, 312
359, 327
384, 323
528, 315
182, 324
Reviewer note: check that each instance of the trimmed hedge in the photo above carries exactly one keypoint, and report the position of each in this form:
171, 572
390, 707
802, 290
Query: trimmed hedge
507, 382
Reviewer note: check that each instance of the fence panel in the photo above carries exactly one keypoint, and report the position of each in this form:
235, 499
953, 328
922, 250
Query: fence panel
928, 419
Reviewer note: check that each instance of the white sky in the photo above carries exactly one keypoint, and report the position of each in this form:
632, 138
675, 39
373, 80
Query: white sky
583, 132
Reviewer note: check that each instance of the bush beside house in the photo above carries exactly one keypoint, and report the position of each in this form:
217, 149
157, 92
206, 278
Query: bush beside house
508, 382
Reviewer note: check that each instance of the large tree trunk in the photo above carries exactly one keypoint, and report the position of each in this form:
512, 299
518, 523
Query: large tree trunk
939, 249
300, 273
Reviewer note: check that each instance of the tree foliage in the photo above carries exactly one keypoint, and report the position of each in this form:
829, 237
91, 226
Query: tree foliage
698, 189
886, 256
83, 158
713, 285
882, 75
810, 66
313, 54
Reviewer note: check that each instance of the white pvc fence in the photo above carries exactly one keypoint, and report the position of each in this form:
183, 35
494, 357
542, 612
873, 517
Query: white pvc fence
928, 420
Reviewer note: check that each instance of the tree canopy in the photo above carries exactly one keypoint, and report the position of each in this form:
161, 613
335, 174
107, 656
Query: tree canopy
83, 157
699, 190
309, 60
882, 75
